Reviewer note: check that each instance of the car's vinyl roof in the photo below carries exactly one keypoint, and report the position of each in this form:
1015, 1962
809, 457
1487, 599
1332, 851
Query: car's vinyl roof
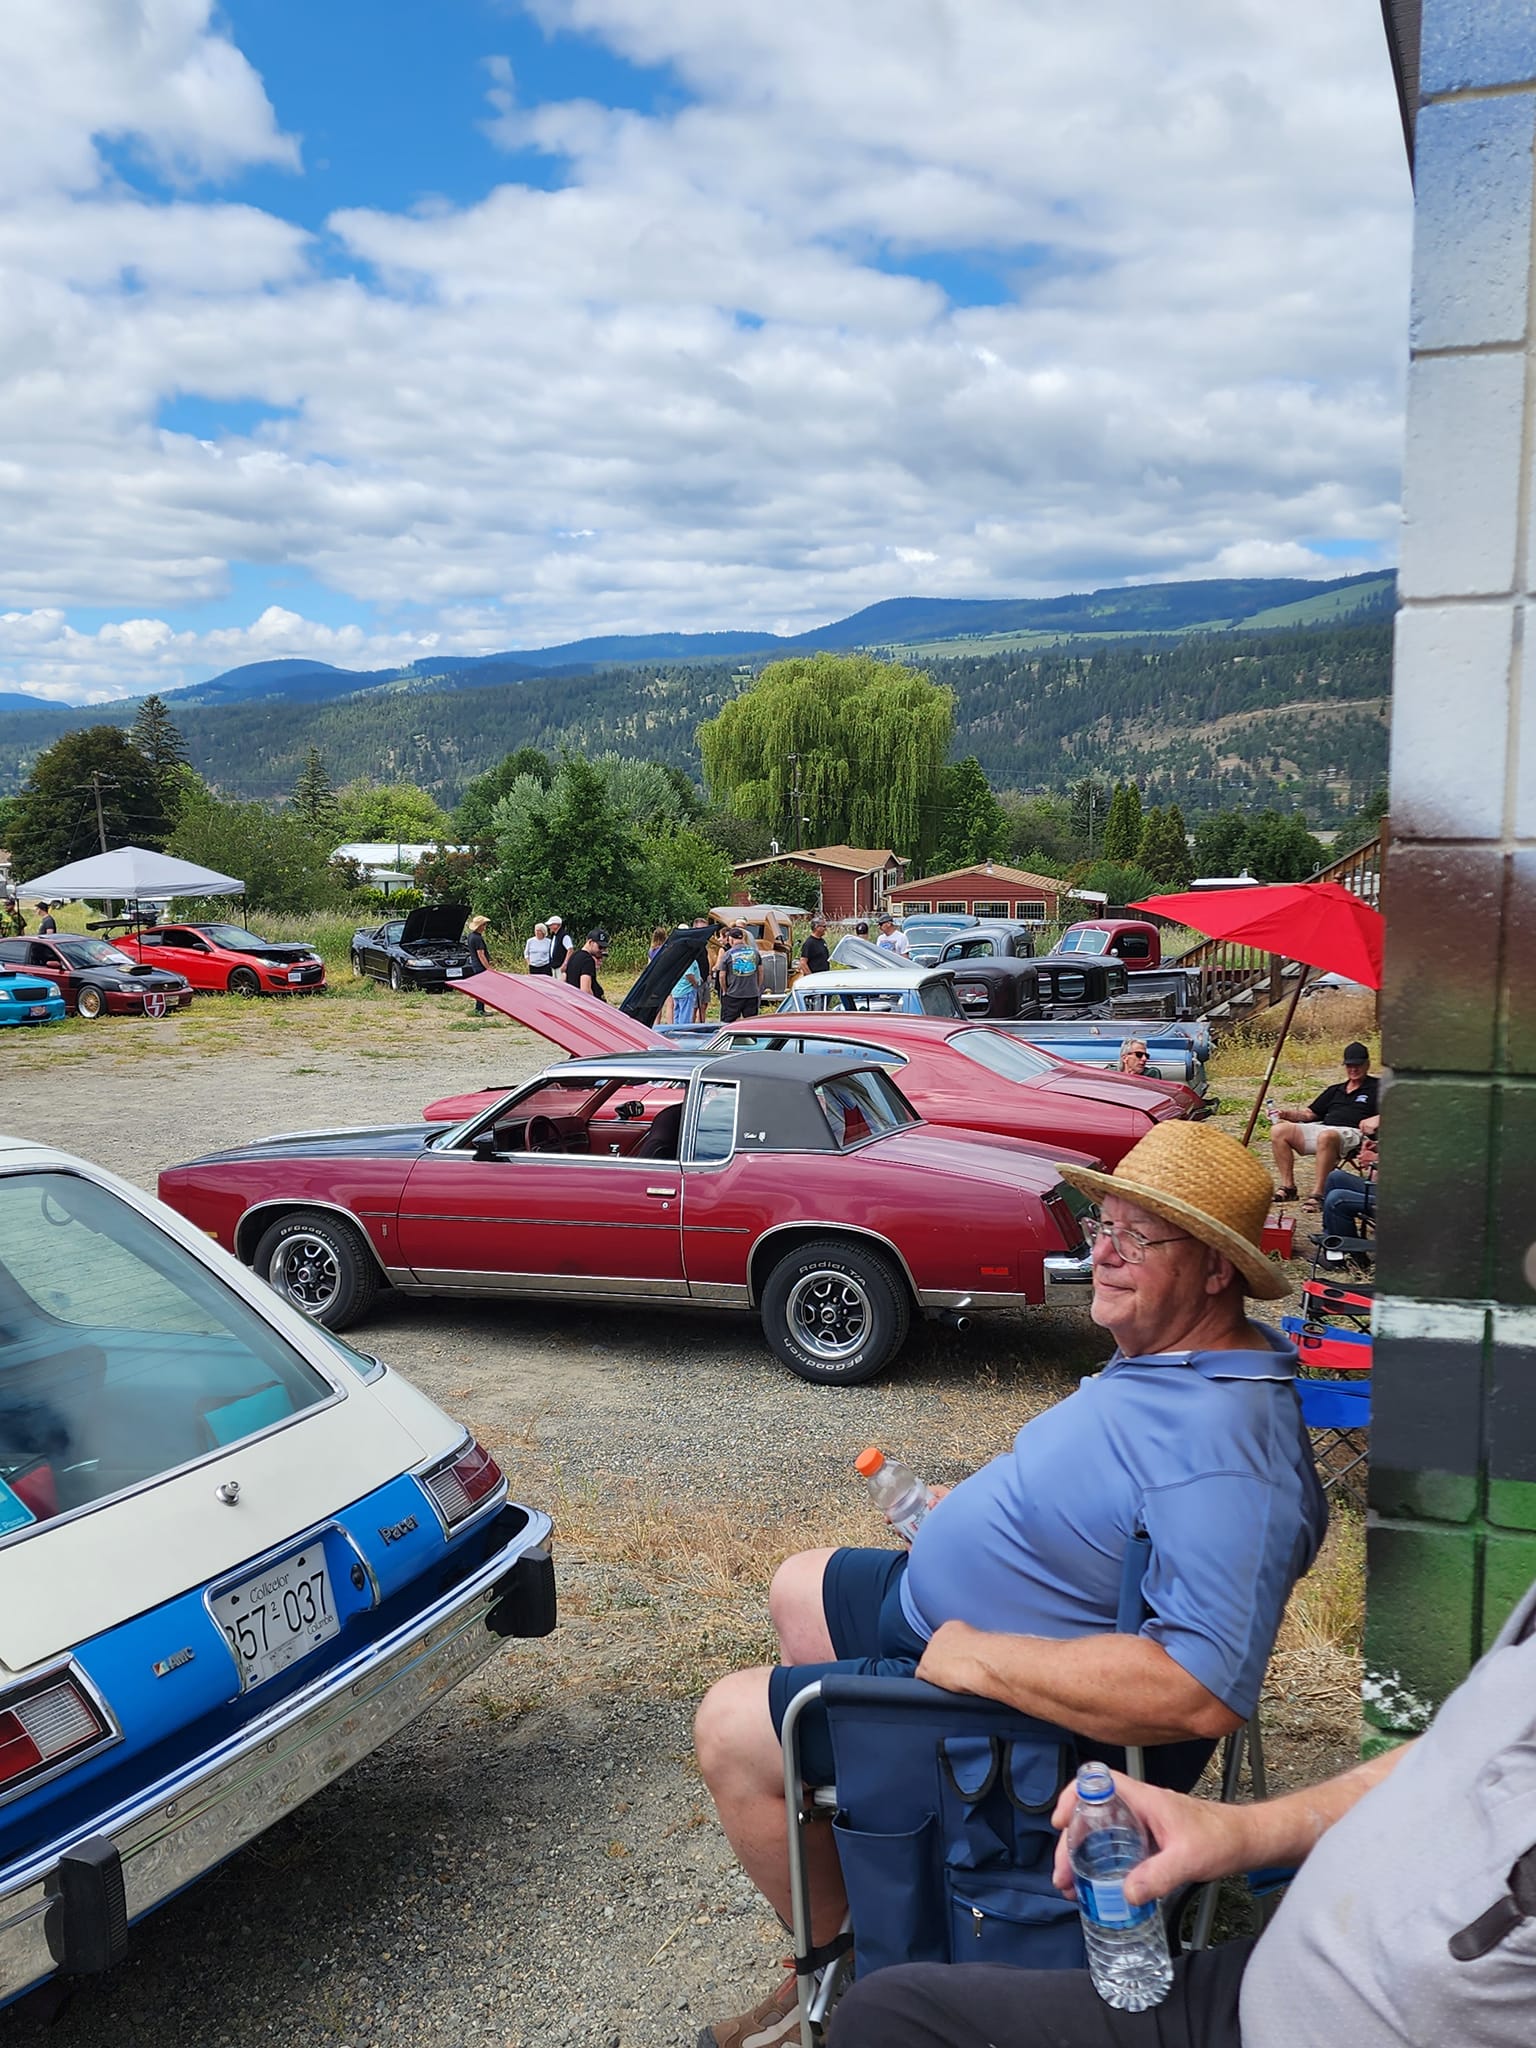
723, 1066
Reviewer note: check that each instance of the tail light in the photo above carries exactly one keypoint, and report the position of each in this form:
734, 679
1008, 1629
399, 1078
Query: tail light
55, 1722
1068, 1228
462, 1482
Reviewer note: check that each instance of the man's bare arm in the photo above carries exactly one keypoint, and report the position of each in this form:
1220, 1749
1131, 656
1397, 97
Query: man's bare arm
1199, 1838
1113, 1688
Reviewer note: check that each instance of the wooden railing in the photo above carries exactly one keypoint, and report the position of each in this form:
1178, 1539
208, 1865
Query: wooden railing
1237, 980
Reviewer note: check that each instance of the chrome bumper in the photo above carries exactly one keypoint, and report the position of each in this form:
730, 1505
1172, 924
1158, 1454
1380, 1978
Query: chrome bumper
1067, 1274
175, 1831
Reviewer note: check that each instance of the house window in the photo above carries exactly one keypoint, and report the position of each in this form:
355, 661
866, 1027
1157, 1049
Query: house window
990, 909
961, 908
1031, 911
915, 909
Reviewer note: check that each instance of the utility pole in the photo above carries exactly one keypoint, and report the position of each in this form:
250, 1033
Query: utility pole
97, 784
794, 762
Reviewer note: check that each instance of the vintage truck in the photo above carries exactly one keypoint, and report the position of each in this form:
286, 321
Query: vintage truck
1136, 942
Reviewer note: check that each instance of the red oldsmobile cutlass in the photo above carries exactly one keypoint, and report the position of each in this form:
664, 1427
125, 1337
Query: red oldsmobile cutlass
803, 1187
964, 1075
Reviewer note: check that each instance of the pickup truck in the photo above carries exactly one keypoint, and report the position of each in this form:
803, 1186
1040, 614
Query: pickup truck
1139, 945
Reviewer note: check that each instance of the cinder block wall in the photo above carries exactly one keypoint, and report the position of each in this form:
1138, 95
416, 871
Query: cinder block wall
1453, 1484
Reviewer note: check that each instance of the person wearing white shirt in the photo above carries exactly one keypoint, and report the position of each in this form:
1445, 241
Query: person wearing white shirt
538, 950
892, 938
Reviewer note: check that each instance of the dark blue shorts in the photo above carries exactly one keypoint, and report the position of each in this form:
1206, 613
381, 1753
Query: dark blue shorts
861, 1599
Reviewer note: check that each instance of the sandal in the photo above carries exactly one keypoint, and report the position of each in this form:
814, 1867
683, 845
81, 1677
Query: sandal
1285, 1194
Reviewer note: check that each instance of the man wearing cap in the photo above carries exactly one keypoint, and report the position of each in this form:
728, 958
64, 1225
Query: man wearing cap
559, 944
892, 938
739, 977
582, 965
1329, 1129
813, 949
1192, 1433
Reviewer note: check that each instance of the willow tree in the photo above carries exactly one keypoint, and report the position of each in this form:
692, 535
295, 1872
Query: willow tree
828, 749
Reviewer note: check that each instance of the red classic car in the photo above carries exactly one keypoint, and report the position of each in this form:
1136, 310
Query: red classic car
956, 1072
96, 978
227, 957
805, 1188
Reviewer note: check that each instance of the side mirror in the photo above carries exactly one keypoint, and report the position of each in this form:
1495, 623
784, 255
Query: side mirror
483, 1144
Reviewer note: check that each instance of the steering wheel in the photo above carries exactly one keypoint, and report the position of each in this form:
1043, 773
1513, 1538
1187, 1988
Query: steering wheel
541, 1135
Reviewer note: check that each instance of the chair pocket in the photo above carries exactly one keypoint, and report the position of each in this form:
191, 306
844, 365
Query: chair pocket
996, 1918
894, 1895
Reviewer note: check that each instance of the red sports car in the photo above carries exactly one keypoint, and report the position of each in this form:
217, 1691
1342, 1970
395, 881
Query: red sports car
803, 1187
956, 1073
227, 957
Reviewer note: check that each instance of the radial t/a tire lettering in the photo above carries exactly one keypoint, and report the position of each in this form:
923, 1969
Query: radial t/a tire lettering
321, 1264
835, 1312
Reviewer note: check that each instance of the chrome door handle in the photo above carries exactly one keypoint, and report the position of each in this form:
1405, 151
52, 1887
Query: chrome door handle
664, 1192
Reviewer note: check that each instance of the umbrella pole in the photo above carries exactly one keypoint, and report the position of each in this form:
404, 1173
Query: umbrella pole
1274, 1058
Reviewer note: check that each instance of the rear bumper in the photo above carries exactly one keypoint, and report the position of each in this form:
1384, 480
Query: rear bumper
153, 1845
1068, 1279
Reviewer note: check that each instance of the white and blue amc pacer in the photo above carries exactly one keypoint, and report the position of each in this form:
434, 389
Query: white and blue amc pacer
235, 1557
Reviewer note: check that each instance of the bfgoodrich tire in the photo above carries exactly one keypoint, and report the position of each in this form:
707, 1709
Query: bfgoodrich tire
320, 1263
835, 1312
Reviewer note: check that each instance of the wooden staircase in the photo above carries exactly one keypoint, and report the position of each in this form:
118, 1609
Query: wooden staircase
1237, 981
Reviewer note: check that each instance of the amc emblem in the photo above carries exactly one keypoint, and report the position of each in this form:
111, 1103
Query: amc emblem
154, 1002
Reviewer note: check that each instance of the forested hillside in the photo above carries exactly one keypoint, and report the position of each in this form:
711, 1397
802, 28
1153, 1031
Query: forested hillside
1297, 717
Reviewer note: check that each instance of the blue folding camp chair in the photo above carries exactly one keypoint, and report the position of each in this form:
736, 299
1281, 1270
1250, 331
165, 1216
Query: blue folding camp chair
1338, 1413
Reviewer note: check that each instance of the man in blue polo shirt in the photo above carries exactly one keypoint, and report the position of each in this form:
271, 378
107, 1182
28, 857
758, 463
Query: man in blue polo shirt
1192, 1433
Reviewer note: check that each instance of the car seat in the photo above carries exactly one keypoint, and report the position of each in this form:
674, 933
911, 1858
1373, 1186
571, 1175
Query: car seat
661, 1140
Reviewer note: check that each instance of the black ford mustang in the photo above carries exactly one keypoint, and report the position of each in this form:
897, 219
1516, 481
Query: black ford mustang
424, 950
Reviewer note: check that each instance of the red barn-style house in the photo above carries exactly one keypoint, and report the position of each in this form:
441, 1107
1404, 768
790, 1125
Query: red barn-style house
855, 880
987, 890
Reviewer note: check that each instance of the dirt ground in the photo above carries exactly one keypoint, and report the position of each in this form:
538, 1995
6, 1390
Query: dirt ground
537, 1861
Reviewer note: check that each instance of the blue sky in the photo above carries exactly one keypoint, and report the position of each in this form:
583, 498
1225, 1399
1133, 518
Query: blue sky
368, 330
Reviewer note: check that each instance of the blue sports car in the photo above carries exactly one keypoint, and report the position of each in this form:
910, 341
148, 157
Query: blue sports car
235, 1557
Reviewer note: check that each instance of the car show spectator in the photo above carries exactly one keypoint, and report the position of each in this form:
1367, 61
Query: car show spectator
658, 940
739, 977
1134, 1056
1349, 1196
582, 965
46, 923
815, 956
12, 923
559, 944
480, 952
1407, 1926
683, 1002
892, 938
537, 951
1011, 1589
1329, 1129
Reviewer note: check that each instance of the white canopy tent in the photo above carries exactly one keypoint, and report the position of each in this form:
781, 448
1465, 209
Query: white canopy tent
132, 872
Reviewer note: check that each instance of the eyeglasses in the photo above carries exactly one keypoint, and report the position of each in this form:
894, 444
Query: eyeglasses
1128, 1054
1129, 1245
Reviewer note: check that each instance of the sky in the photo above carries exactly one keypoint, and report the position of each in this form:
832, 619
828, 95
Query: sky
368, 331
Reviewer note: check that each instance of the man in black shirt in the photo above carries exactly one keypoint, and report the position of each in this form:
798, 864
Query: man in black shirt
1329, 1128
581, 968
813, 951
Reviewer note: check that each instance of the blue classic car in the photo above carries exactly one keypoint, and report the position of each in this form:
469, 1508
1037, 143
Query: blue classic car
28, 998
235, 1557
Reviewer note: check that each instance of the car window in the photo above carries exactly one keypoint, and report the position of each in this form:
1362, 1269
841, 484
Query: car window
1084, 942
190, 942
1004, 1053
14, 952
938, 999
1135, 946
858, 1107
233, 937
122, 1357
93, 953
392, 933
714, 1135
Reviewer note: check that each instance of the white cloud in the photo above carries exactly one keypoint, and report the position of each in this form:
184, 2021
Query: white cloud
687, 389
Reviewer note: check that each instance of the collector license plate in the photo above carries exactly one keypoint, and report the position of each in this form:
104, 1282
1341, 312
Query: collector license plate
279, 1615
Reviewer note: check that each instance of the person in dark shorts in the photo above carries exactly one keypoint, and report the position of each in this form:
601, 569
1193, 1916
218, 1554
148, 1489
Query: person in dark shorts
739, 977
582, 965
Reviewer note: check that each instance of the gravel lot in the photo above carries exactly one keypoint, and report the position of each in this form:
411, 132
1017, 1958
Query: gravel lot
537, 1862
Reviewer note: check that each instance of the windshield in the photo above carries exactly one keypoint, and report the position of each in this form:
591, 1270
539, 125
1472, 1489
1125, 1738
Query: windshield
234, 936
93, 953
122, 1357
1004, 1053
1084, 942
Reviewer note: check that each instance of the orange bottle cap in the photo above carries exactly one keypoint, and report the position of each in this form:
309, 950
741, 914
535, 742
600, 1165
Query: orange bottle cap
869, 1462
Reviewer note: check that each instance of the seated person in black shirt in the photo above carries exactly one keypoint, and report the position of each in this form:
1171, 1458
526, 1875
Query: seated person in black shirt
581, 968
1329, 1129
813, 950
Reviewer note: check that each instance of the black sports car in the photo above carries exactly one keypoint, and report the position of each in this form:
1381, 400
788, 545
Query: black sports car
97, 978
424, 950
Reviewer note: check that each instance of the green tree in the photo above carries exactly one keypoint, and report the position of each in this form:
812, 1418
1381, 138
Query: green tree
1277, 847
737, 838
644, 791
472, 819
973, 825
1163, 849
1040, 835
1089, 813
687, 873
858, 744
1120, 882
283, 865
571, 847
158, 738
780, 883
379, 812
1219, 843
1122, 828
55, 819
314, 797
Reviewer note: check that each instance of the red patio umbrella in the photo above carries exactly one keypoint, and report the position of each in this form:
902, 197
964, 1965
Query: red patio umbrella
1321, 924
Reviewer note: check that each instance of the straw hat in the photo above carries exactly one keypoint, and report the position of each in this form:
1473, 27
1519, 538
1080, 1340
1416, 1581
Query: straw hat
1198, 1178
477, 924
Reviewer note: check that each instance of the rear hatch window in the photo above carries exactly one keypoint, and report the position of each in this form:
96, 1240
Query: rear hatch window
122, 1357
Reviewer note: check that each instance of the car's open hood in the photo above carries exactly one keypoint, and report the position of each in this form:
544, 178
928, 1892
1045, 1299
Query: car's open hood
441, 921
568, 1017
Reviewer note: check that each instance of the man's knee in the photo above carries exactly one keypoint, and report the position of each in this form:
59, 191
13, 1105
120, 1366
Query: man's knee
796, 1610
733, 1732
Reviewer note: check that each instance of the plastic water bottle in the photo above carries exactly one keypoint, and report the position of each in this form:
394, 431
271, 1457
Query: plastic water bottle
895, 1490
1127, 1949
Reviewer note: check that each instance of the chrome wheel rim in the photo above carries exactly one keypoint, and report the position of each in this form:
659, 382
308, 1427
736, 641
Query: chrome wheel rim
829, 1313
307, 1271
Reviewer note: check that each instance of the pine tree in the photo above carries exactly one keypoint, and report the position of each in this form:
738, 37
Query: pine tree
314, 796
1122, 832
158, 738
